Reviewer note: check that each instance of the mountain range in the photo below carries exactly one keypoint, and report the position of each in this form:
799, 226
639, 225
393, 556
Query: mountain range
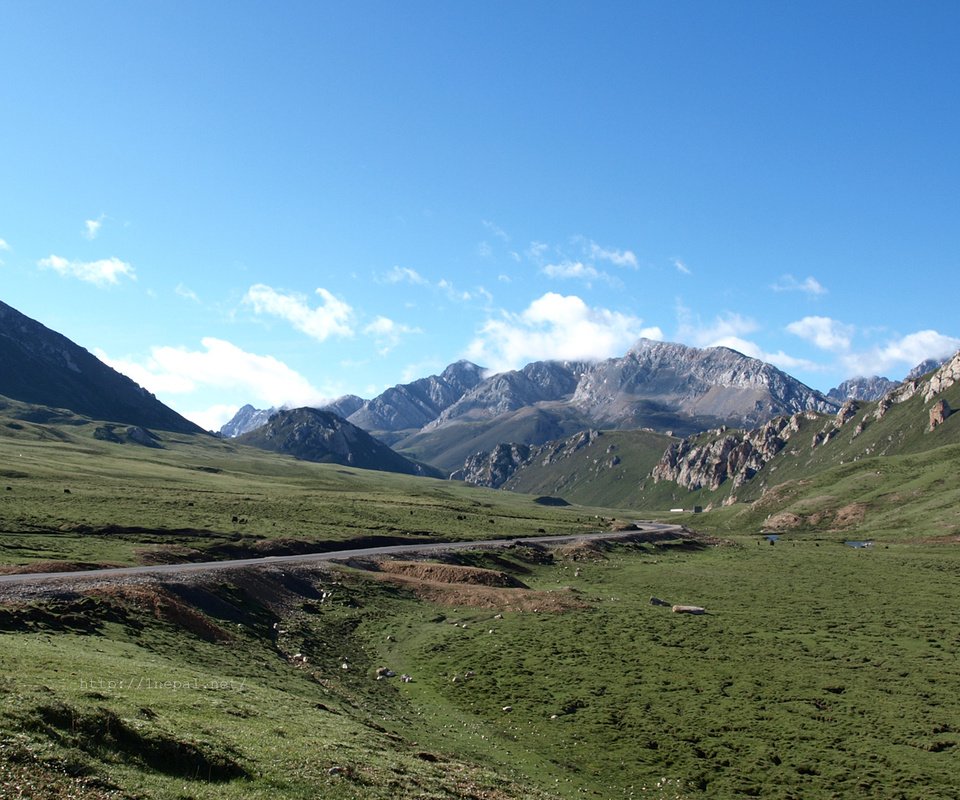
667, 387
704, 421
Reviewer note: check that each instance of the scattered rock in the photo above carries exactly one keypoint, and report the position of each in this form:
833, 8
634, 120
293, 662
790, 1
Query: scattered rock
689, 610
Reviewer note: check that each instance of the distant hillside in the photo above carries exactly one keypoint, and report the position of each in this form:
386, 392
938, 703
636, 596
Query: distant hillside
601, 468
853, 463
314, 435
40, 366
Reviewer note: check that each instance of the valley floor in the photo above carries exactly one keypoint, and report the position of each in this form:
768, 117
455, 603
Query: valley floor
817, 671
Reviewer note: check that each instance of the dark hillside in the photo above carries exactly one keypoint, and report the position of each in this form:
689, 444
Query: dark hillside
38, 365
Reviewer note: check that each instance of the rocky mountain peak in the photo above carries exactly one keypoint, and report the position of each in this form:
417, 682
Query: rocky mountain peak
860, 388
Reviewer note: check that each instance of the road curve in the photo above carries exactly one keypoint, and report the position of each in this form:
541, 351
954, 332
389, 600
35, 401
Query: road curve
333, 555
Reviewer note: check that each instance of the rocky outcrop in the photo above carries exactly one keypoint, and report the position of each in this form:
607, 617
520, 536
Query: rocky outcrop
495, 467
846, 413
725, 456
943, 378
938, 414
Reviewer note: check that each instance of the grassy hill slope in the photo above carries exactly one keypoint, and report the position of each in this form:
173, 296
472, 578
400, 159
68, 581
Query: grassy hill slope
65, 494
606, 472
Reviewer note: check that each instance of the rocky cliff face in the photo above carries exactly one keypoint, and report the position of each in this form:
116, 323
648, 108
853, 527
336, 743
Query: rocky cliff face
495, 467
725, 455
314, 435
40, 366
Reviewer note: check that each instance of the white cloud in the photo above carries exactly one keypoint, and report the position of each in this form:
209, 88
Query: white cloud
452, 292
693, 331
100, 273
4, 245
405, 275
332, 318
212, 418
221, 365
620, 258
682, 268
387, 333
187, 293
902, 354
92, 227
575, 269
536, 250
496, 230
809, 285
556, 327
825, 333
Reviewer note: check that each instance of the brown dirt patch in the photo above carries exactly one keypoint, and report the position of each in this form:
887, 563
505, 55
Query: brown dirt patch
165, 606
450, 573
452, 585
851, 515
785, 520
582, 551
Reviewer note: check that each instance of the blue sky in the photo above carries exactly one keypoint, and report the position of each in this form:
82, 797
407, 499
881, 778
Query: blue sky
277, 203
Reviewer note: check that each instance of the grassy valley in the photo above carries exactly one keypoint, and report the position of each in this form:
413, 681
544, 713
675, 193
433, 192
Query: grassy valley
818, 670
66, 495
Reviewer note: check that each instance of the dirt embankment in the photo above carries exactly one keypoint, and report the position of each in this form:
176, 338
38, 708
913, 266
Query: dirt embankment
455, 585
450, 573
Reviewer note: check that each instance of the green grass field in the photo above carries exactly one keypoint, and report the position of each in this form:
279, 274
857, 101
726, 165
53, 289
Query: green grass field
65, 495
819, 671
